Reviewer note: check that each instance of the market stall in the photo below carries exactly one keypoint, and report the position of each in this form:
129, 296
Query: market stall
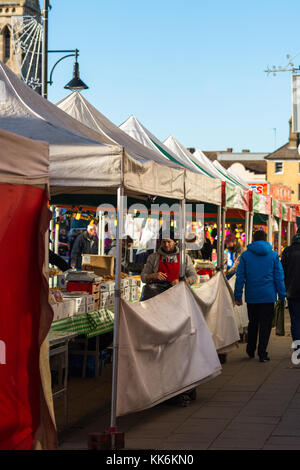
262, 214
26, 409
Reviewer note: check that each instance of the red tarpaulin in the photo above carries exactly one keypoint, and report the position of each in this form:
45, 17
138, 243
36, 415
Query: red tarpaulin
20, 289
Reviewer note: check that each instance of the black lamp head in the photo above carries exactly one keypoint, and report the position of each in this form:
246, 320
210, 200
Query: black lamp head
76, 83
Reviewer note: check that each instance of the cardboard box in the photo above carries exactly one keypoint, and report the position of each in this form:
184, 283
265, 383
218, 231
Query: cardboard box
89, 287
97, 296
127, 291
58, 310
61, 281
134, 290
90, 308
80, 301
111, 299
69, 306
104, 264
107, 286
90, 299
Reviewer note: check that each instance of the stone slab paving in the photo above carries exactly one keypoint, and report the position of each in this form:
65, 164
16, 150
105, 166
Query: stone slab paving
251, 405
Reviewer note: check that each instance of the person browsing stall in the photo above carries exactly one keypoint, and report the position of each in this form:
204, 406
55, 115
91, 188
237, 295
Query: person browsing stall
85, 243
235, 251
162, 268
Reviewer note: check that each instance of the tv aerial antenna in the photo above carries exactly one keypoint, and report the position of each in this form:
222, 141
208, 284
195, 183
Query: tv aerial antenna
289, 67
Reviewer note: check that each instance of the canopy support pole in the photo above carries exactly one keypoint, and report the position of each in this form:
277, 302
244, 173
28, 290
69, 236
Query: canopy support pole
219, 221
182, 241
288, 233
279, 236
56, 240
247, 228
117, 308
51, 229
100, 241
223, 237
250, 234
270, 238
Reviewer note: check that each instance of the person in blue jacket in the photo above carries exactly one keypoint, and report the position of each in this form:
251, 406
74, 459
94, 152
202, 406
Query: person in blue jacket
261, 272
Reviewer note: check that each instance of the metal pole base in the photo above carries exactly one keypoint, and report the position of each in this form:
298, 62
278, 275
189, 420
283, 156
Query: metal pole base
107, 440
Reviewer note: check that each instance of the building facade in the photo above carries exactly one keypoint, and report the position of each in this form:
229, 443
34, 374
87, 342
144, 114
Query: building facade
283, 166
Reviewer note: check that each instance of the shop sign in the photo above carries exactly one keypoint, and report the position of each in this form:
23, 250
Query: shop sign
260, 188
280, 192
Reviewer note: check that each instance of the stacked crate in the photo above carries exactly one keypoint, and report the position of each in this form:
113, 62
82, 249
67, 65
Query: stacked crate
93, 288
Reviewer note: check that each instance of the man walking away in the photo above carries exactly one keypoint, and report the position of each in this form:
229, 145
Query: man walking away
291, 265
261, 272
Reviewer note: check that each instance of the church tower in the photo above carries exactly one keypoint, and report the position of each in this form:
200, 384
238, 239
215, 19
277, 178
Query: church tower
20, 39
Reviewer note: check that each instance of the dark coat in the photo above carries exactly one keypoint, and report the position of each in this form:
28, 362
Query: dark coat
84, 244
291, 265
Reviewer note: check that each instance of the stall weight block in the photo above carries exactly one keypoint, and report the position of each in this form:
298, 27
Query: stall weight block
104, 441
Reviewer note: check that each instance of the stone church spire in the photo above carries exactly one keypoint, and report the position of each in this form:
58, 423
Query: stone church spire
10, 12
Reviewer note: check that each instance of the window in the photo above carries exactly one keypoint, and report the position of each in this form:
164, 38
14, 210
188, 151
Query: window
278, 167
6, 43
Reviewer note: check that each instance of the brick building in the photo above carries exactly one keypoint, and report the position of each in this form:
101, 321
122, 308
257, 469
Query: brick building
283, 165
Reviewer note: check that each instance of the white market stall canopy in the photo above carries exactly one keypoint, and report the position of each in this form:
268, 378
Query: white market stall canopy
199, 185
200, 159
230, 176
81, 159
138, 132
183, 154
79, 108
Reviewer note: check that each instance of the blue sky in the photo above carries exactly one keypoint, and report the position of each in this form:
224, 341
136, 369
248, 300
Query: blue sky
193, 69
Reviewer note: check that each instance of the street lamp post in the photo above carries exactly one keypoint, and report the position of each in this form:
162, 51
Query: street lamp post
45, 49
75, 83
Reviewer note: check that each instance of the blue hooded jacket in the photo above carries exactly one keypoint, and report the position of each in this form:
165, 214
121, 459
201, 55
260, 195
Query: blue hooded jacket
261, 272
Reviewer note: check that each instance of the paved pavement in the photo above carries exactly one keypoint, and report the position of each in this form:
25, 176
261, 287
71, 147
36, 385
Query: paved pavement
251, 405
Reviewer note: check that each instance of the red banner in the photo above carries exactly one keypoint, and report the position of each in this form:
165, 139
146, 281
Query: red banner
20, 287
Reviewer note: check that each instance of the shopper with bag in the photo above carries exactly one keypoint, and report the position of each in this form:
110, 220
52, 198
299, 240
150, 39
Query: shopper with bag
261, 272
291, 265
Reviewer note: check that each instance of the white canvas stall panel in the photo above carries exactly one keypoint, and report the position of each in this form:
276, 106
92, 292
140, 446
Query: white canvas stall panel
237, 197
216, 304
202, 188
241, 313
148, 177
22, 160
165, 348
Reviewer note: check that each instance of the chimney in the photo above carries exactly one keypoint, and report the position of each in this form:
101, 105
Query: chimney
293, 138
229, 150
245, 150
191, 149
